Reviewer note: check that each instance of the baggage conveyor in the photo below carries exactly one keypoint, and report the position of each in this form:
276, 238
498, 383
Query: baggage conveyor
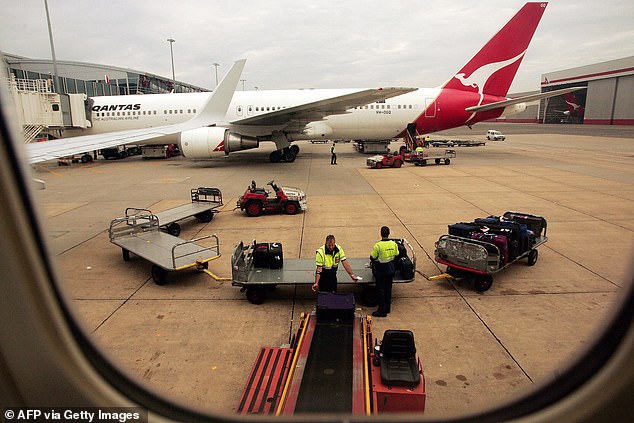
301, 271
331, 367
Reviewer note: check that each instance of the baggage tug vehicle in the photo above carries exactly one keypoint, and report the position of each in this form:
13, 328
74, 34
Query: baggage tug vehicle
330, 366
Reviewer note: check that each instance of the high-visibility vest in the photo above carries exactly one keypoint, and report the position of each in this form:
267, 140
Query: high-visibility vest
384, 251
329, 261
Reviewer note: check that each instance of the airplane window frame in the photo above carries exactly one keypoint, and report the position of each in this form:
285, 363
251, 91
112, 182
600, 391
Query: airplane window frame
616, 341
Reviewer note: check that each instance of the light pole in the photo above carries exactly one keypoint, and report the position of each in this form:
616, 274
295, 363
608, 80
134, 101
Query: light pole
171, 41
216, 66
56, 87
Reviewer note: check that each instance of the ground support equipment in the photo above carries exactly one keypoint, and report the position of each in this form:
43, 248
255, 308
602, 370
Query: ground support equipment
203, 206
141, 235
422, 158
301, 271
331, 366
475, 260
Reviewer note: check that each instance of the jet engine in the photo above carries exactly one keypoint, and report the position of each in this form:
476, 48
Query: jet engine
201, 143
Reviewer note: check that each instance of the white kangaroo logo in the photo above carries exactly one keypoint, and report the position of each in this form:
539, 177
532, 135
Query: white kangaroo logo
480, 76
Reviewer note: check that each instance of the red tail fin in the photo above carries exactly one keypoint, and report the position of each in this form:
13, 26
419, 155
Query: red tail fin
492, 69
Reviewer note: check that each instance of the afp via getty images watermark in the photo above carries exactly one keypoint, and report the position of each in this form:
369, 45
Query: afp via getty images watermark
76, 415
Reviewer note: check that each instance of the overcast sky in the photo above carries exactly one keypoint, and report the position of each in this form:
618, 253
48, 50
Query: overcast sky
306, 44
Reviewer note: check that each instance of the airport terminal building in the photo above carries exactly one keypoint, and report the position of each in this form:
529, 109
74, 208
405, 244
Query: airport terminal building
93, 79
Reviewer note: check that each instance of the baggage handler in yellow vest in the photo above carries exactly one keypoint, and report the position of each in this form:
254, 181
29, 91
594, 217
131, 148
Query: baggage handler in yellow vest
327, 260
382, 256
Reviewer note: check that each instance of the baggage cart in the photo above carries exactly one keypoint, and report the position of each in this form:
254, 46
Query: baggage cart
142, 236
422, 158
476, 260
203, 206
301, 271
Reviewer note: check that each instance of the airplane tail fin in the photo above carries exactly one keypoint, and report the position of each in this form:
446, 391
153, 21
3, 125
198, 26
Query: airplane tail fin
492, 69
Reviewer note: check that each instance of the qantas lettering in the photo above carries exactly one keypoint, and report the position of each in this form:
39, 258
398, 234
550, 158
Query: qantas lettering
116, 107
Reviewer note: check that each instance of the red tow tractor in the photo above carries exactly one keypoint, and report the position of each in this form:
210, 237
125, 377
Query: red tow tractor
388, 160
256, 200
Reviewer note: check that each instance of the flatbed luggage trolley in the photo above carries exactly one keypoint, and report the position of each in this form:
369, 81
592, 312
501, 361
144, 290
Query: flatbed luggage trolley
256, 278
203, 206
142, 236
476, 257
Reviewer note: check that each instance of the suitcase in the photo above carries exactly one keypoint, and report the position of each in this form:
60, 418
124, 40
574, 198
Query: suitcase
405, 267
463, 229
517, 234
335, 306
535, 224
276, 256
499, 241
261, 258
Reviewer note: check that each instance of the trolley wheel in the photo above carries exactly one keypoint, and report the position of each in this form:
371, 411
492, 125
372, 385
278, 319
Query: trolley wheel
159, 275
447, 161
437, 161
253, 208
126, 254
398, 163
423, 162
532, 257
174, 229
483, 283
291, 207
86, 158
369, 296
256, 294
206, 216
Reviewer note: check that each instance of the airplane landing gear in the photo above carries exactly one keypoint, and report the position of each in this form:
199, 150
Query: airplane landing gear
287, 154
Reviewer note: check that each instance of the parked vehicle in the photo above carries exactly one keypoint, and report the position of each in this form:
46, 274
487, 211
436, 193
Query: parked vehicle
256, 200
493, 135
387, 160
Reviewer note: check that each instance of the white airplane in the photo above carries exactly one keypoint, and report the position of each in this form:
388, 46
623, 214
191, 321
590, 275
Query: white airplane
477, 92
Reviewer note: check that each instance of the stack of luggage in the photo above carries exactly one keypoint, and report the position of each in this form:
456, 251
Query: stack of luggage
513, 233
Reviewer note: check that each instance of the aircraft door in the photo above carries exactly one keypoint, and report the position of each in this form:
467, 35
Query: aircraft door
430, 107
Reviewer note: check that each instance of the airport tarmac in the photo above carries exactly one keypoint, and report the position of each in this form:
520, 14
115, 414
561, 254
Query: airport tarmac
194, 340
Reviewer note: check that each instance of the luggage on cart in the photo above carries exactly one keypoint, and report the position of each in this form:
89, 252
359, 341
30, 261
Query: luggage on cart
405, 266
276, 256
517, 233
463, 229
535, 224
261, 258
499, 241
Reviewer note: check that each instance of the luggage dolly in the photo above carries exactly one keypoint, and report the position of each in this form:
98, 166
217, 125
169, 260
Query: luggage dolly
142, 236
203, 206
474, 260
257, 281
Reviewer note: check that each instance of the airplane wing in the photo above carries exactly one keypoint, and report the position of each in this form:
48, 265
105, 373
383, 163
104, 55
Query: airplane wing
317, 110
525, 99
213, 111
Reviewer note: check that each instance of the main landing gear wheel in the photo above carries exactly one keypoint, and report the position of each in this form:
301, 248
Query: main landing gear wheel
253, 208
294, 149
288, 155
275, 156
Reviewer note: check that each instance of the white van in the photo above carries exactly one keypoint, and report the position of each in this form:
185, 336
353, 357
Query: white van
494, 135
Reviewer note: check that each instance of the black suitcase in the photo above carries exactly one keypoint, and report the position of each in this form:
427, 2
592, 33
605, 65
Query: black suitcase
535, 223
276, 256
261, 257
406, 268
463, 229
335, 306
